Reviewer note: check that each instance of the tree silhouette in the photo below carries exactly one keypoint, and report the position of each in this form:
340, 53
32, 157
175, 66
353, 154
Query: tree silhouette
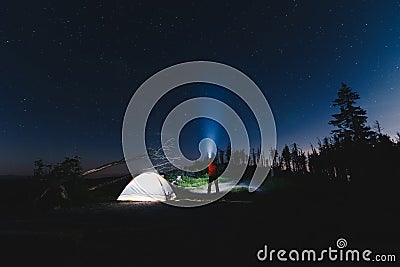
221, 156
228, 153
351, 121
62, 183
39, 169
299, 160
286, 157
275, 158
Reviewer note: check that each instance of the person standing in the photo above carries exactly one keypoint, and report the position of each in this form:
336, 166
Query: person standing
213, 176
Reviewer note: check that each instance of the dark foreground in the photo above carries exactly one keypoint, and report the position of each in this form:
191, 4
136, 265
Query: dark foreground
228, 232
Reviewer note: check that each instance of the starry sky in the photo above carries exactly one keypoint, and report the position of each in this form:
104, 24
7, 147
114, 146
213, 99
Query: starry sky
69, 68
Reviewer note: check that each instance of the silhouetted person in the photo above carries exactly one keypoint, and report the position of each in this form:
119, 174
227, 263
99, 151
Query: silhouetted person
213, 176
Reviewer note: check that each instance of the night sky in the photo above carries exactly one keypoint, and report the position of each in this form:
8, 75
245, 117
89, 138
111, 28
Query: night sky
68, 70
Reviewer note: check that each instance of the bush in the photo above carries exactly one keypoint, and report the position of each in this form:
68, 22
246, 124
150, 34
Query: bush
62, 184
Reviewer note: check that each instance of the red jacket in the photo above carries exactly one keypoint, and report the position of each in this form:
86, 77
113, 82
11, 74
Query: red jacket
212, 170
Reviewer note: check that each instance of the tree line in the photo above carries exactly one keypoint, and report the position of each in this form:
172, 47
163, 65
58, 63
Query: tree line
354, 151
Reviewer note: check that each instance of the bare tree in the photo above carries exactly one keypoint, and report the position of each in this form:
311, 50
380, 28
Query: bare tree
160, 157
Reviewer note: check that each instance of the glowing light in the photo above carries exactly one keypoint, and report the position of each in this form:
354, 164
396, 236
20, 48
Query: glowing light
207, 148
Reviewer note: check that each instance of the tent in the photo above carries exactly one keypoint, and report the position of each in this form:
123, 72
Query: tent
147, 186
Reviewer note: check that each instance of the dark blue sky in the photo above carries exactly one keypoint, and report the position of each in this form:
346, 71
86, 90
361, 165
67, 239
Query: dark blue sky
68, 70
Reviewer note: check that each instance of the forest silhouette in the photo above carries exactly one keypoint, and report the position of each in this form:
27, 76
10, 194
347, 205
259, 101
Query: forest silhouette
355, 152
356, 156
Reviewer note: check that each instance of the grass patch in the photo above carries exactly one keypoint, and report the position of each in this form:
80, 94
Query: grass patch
187, 181
238, 189
190, 182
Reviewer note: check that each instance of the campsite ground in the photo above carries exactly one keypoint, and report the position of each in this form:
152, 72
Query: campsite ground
228, 232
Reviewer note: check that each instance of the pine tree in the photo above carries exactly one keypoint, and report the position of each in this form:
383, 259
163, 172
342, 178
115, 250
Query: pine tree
286, 157
228, 153
351, 121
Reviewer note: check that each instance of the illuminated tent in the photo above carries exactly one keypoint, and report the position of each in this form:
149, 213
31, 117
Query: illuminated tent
147, 186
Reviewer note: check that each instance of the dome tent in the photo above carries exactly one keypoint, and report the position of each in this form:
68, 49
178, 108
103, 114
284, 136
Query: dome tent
147, 186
